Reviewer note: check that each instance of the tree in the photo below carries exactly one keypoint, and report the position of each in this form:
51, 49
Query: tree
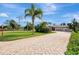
33, 12
13, 24
28, 26
74, 25
63, 24
43, 24
19, 19
69, 25
49, 23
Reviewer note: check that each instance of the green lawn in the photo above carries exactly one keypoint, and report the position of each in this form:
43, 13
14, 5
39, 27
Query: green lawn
73, 46
10, 35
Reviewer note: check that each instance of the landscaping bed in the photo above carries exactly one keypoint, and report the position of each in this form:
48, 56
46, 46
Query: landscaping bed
73, 46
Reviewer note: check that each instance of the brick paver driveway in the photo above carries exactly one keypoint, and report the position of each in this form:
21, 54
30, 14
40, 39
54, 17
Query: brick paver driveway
54, 43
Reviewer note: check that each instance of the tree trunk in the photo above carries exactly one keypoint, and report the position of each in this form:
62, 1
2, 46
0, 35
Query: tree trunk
33, 25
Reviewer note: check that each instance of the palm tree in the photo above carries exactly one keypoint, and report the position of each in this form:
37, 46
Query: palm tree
33, 12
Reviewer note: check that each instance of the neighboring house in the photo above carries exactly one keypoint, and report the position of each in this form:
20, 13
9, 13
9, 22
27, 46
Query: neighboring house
60, 28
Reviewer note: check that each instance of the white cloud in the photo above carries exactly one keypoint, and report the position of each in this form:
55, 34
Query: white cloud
49, 9
3, 15
72, 15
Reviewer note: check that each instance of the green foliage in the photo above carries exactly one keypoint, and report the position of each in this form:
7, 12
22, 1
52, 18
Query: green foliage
33, 12
42, 27
11, 25
70, 25
28, 27
73, 46
74, 25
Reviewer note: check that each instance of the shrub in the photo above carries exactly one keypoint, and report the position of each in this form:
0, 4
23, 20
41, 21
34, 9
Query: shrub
42, 27
73, 46
45, 30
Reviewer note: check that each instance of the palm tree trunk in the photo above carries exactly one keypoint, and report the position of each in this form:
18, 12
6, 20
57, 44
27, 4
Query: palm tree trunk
33, 25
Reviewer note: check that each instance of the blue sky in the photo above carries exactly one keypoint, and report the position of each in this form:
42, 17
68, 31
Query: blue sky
52, 12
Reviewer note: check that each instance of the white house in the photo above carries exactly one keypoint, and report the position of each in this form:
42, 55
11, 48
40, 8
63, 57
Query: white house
60, 28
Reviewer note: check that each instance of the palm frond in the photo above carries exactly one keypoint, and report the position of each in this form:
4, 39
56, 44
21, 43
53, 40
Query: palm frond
33, 7
38, 13
26, 10
26, 15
